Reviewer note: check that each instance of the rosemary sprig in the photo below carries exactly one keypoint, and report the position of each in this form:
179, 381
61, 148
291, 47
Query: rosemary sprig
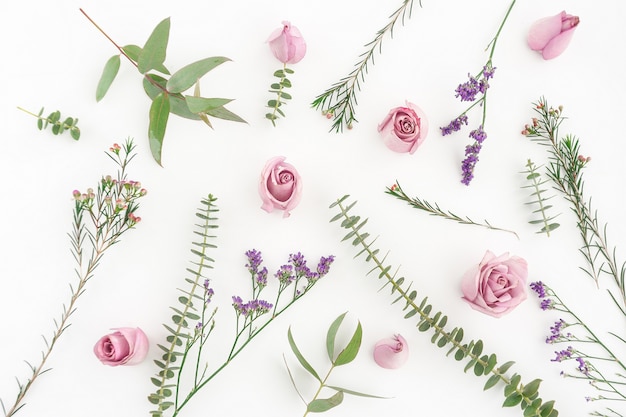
434, 210
516, 393
111, 210
339, 101
566, 172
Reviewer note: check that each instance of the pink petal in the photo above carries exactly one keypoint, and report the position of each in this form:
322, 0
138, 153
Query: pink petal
557, 45
391, 353
543, 30
138, 342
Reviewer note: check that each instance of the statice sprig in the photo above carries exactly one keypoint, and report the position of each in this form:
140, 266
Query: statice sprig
594, 361
101, 216
475, 91
434, 209
338, 357
516, 393
193, 322
339, 101
57, 123
566, 170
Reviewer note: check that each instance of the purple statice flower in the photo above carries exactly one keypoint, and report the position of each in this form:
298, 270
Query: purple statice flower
261, 277
563, 354
555, 332
454, 126
582, 366
285, 274
323, 265
254, 260
471, 154
238, 304
547, 304
538, 288
299, 265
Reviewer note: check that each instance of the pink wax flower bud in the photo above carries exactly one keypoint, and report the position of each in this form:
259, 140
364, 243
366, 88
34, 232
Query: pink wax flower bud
287, 44
551, 35
391, 352
125, 346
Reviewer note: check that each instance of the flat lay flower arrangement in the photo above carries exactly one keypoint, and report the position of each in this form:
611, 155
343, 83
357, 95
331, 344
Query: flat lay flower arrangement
349, 208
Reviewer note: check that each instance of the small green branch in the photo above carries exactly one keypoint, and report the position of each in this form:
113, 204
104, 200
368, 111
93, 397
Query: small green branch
281, 95
535, 183
54, 119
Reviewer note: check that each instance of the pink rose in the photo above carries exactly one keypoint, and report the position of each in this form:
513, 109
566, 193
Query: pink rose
551, 35
125, 346
404, 128
287, 44
392, 352
280, 186
496, 285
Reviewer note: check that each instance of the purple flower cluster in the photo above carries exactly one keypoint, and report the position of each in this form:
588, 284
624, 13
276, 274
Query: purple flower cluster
540, 289
471, 154
555, 332
285, 274
252, 307
254, 260
454, 126
563, 354
475, 85
582, 366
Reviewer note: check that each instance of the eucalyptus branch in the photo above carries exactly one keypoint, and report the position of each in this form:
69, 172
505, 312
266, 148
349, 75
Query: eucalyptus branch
111, 208
54, 119
516, 393
434, 210
536, 182
566, 172
339, 101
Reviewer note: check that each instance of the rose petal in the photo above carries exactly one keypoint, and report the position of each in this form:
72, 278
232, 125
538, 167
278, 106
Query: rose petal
543, 30
391, 353
125, 346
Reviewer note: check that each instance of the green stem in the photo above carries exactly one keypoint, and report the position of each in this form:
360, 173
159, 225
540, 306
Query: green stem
319, 389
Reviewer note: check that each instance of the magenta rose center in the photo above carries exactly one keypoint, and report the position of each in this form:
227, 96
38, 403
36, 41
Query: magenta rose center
406, 125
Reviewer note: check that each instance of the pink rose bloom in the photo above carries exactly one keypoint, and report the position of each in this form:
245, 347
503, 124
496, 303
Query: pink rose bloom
551, 35
496, 285
404, 128
125, 346
287, 44
280, 186
392, 352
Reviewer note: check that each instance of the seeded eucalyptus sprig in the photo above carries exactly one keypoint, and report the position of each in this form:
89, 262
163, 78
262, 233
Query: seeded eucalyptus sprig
434, 210
278, 88
167, 95
536, 182
54, 119
343, 357
101, 217
339, 101
566, 170
516, 393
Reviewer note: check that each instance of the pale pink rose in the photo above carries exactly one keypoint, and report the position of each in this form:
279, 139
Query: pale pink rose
125, 346
280, 186
391, 352
551, 35
287, 44
496, 285
404, 128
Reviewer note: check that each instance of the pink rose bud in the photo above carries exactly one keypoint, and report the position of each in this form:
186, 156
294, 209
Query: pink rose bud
125, 346
496, 285
280, 186
392, 352
551, 35
287, 44
404, 128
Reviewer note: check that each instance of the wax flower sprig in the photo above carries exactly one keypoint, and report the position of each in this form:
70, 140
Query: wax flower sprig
526, 396
338, 357
596, 362
566, 171
475, 91
57, 124
339, 101
193, 321
167, 95
101, 216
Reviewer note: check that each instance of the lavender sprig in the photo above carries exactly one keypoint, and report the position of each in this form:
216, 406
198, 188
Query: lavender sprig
475, 91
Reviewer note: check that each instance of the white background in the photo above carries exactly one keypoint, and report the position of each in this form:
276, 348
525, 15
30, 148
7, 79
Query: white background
53, 57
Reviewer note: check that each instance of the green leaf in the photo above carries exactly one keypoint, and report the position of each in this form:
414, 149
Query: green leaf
505, 367
512, 400
153, 52
491, 382
348, 354
159, 113
331, 335
299, 356
109, 73
225, 114
202, 105
133, 52
320, 405
356, 393
546, 409
187, 76
75, 133
178, 105
531, 388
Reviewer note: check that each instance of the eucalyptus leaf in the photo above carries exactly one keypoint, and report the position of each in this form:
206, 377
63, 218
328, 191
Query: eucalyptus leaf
133, 52
154, 51
187, 76
356, 393
321, 405
331, 335
225, 114
299, 356
178, 106
109, 73
159, 113
202, 104
348, 354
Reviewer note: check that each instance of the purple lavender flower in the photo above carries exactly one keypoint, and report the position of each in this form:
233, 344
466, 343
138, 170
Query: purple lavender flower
471, 154
538, 288
454, 126
563, 354
468, 90
254, 260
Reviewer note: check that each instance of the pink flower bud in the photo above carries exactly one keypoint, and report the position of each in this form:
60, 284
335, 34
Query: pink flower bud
404, 128
280, 186
125, 346
551, 35
287, 44
392, 352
